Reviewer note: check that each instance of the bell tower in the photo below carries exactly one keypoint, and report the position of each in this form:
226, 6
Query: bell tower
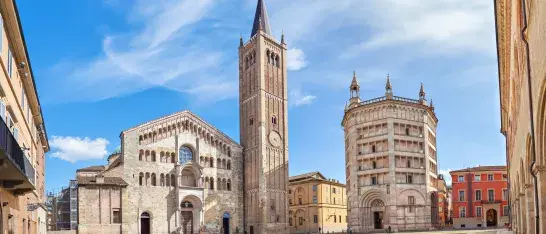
263, 127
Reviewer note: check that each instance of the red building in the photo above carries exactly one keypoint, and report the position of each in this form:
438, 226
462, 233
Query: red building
480, 197
443, 201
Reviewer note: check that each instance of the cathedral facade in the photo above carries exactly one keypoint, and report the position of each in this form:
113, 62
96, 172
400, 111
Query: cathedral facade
179, 174
391, 163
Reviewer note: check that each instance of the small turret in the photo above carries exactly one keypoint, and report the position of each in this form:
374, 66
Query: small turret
431, 105
422, 98
282, 38
241, 41
388, 88
355, 90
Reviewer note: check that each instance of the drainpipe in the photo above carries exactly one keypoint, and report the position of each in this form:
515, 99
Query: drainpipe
533, 141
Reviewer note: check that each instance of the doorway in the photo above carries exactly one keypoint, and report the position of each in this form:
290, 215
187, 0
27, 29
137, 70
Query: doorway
145, 223
225, 223
378, 220
186, 222
491, 218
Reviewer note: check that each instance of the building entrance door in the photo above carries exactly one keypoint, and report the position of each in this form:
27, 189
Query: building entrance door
225, 223
378, 220
145, 223
491, 218
186, 222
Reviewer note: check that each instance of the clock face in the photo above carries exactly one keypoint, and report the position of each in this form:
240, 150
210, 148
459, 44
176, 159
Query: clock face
275, 138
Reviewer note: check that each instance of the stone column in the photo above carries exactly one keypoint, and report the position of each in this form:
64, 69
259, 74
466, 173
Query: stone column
530, 209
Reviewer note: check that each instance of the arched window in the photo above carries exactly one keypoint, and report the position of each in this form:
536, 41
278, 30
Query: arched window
273, 59
268, 58
374, 164
219, 163
211, 183
219, 184
408, 163
153, 155
251, 121
162, 180
228, 165
153, 179
172, 158
277, 61
140, 178
186, 154
373, 148
140, 140
147, 178
167, 180
162, 156
228, 185
140, 154
147, 155
211, 162
186, 204
173, 181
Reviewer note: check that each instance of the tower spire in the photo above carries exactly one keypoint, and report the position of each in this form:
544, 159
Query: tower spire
388, 88
422, 92
261, 21
355, 90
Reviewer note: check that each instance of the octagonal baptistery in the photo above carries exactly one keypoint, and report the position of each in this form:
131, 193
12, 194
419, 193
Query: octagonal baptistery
391, 164
183, 176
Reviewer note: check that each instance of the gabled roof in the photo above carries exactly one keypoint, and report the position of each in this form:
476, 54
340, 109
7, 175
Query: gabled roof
261, 21
92, 168
188, 114
482, 168
310, 175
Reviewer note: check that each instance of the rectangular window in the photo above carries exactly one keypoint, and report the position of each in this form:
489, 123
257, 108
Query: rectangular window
333, 190
335, 219
374, 180
504, 177
2, 109
315, 200
478, 211
461, 195
23, 99
490, 177
411, 202
478, 195
116, 216
461, 178
409, 179
16, 134
505, 211
491, 195
477, 178
10, 63
314, 187
315, 218
462, 211
504, 194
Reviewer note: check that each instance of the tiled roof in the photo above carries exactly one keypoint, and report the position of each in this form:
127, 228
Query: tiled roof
92, 168
91, 180
482, 168
310, 175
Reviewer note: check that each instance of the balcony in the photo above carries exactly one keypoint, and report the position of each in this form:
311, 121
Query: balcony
16, 171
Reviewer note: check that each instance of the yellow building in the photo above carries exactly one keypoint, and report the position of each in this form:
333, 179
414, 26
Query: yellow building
316, 204
23, 139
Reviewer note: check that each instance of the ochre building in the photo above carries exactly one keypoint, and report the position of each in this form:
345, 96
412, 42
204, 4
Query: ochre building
443, 202
180, 174
480, 197
23, 139
317, 204
391, 163
522, 81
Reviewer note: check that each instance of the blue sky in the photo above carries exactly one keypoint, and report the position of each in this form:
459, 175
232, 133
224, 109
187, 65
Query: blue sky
103, 66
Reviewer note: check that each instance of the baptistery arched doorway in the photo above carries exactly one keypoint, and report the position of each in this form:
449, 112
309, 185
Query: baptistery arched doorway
225, 222
145, 223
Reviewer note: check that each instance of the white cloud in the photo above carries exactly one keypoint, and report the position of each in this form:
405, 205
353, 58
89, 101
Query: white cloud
447, 177
297, 98
74, 149
438, 26
296, 59
163, 52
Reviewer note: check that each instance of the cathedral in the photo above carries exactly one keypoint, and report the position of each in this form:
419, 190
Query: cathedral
180, 174
391, 162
